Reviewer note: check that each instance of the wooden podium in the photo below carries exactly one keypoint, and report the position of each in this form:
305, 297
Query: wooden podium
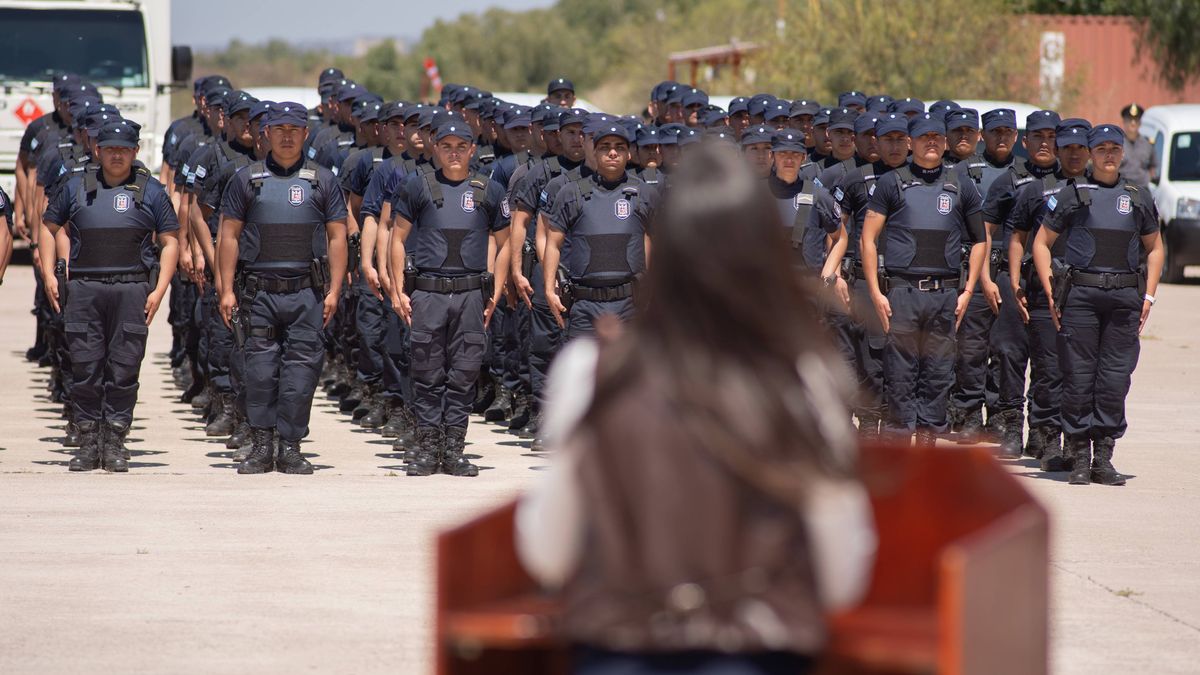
960, 583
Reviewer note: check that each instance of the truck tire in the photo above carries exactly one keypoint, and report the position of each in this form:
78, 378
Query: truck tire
1172, 272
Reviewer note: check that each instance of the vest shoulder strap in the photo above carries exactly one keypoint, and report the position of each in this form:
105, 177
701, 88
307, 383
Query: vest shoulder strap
377, 154
479, 184
1021, 167
554, 166
434, 187
905, 176
584, 184
805, 200
138, 188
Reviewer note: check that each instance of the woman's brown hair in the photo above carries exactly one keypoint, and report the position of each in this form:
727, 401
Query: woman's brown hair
729, 333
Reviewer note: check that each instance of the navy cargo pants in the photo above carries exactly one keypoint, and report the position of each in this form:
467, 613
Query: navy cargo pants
105, 327
584, 313
448, 348
283, 357
1045, 376
868, 353
370, 322
1098, 350
918, 361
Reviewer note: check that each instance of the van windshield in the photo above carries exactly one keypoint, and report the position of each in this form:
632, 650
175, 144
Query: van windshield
104, 47
1185, 156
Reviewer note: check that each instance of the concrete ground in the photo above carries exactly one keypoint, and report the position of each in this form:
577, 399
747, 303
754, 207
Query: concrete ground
183, 566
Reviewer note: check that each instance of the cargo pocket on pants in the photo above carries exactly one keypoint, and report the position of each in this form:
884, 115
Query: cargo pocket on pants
470, 354
129, 345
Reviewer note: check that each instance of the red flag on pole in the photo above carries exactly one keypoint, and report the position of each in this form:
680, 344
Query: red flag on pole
435, 79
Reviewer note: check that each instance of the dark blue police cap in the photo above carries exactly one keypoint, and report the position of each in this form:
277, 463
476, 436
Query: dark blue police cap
850, 98
79, 107
217, 98
242, 102
672, 129
455, 128
694, 97
778, 110
804, 106
1041, 119
287, 112
740, 104
349, 91
572, 116
93, 122
713, 117
865, 123
117, 135
879, 103
1072, 131
961, 117
543, 110
597, 121
214, 82
788, 140
822, 117
842, 118
759, 103
890, 123
261, 108
647, 135
368, 111
559, 84
518, 120
64, 81
662, 91
1000, 117
924, 124
942, 106
414, 110
905, 106
614, 128
689, 136
392, 110
330, 75
758, 134
82, 90
1106, 133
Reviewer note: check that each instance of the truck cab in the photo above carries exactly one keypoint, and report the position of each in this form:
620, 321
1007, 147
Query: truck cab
1175, 132
121, 46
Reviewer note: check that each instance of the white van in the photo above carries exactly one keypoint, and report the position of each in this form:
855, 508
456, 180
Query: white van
1175, 132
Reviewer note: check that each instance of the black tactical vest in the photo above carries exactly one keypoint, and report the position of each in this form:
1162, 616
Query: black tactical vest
285, 228
451, 234
925, 237
111, 230
607, 244
1106, 236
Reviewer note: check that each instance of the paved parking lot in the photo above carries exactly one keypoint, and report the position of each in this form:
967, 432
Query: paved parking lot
184, 566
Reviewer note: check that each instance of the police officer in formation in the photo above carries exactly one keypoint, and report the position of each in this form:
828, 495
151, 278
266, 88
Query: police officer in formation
426, 261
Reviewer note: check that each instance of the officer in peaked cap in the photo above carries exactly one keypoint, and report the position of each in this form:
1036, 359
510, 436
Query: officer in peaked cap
756, 144
282, 257
1139, 165
116, 281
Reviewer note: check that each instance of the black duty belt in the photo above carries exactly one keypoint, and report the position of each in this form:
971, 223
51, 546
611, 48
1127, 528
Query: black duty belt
923, 283
275, 285
603, 293
473, 282
119, 278
856, 272
1108, 280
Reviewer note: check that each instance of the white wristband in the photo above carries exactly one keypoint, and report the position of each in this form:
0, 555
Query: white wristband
1150, 299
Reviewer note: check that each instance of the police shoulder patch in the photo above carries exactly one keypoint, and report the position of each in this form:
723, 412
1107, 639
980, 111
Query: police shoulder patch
307, 174
34, 144
543, 198
312, 152
504, 209
1052, 203
201, 172
838, 194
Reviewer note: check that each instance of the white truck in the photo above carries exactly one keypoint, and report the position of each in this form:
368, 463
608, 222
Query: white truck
121, 46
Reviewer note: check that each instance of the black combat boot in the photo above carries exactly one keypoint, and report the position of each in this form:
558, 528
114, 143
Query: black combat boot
1013, 421
262, 451
222, 423
406, 439
926, 438
1079, 452
114, 456
424, 457
353, 397
530, 430
1102, 468
290, 460
1035, 443
376, 414
501, 408
395, 419
485, 393
1053, 458
203, 397
71, 432
538, 444
453, 461
241, 430
971, 430
87, 457
342, 382
522, 411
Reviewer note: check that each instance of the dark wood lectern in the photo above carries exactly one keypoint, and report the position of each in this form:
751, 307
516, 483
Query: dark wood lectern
959, 587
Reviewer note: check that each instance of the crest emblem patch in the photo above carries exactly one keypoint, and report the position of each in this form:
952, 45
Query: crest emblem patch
944, 204
468, 201
621, 209
296, 195
1124, 205
121, 203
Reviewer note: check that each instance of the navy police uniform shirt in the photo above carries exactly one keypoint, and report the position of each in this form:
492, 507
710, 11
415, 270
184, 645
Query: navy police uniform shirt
1104, 236
824, 218
179, 130
853, 193
384, 181
1002, 195
326, 195
927, 223
47, 128
451, 239
112, 207
6, 208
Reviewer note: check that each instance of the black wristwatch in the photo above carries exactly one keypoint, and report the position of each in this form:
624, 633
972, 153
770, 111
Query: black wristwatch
830, 280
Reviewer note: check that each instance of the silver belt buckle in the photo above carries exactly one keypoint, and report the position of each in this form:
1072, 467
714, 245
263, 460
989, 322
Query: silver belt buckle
929, 284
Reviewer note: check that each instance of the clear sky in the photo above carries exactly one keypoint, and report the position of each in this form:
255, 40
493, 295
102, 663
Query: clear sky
207, 23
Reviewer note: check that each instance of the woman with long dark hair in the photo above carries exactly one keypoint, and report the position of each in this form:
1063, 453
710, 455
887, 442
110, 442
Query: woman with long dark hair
702, 512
